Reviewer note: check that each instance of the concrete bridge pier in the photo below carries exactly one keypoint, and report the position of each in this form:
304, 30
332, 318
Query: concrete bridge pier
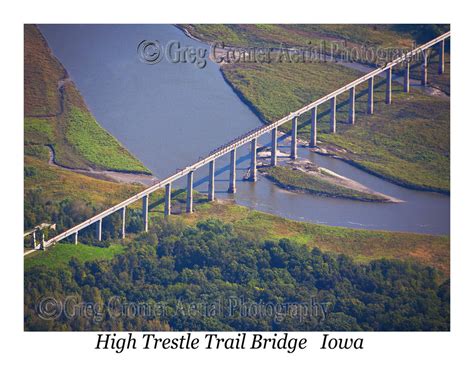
313, 139
370, 101
124, 214
232, 174
98, 229
253, 161
333, 114
34, 239
352, 102
145, 212
189, 194
294, 138
424, 69
76, 238
168, 199
406, 78
441, 58
274, 158
42, 244
210, 188
388, 86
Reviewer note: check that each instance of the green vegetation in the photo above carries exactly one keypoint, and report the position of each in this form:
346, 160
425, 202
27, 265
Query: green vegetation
271, 35
97, 145
407, 142
179, 274
299, 180
58, 256
361, 245
55, 114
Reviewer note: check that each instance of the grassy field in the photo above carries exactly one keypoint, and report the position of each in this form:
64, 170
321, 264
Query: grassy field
271, 35
58, 184
56, 114
407, 142
297, 180
362, 245
60, 255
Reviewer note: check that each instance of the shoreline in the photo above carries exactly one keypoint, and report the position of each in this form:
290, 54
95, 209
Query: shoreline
109, 175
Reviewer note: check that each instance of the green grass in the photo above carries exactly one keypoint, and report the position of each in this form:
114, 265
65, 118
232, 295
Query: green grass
407, 142
38, 130
59, 255
97, 145
273, 35
64, 121
362, 245
298, 180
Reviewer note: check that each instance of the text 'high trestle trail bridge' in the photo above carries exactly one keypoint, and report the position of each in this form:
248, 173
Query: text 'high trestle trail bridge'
251, 137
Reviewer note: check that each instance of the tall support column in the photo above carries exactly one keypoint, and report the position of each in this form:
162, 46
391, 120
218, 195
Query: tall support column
189, 194
232, 175
124, 220
352, 103
370, 101
424, 69
253, 161
76, 238
274, 157
441, 58
313, 140
210, 188
294, 138
98, 229
145, 212
34, 239
388, 86
406, 79
333, 114
42, 244
168, 199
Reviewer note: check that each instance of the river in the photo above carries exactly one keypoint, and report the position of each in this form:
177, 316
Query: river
170, 114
